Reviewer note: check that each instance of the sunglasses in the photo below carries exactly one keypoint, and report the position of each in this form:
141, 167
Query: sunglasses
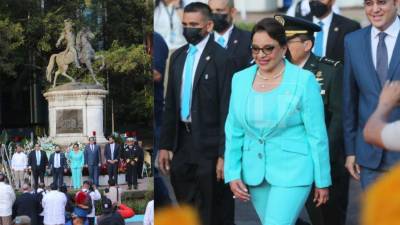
266, 50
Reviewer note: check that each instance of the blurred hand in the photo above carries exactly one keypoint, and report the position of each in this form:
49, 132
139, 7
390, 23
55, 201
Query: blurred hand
163, 161
321, 196
390, 95
220, 169
239, 190
353, 167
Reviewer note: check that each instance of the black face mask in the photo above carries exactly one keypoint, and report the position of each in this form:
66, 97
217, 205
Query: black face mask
221, 22
193, 35
318, 8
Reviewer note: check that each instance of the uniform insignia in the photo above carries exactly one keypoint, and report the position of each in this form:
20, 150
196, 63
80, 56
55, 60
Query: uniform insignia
336, 29
206, 76
329, 61
208, 58
319, 74
280, 19
322, 92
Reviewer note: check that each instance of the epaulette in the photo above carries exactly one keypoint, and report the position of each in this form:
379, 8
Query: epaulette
329, 61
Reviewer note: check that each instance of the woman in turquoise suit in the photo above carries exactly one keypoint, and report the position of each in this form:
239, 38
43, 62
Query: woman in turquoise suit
276, 140
77, 159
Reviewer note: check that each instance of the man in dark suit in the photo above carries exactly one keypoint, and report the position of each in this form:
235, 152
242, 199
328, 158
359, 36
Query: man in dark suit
112, 154
93, 160
372, 57
236, 41
300, 36
329, 41
194, 115
58, 166
27, 204
37, 162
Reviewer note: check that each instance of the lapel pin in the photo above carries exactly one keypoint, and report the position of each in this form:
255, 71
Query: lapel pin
235, 41
336, 29
206, 76
208, 58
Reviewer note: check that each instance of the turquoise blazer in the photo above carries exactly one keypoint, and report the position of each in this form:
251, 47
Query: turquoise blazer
294, 150
77, 160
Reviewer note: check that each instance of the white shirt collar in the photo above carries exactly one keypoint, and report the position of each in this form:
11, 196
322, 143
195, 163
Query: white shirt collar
226, 35
327, 20
392, 30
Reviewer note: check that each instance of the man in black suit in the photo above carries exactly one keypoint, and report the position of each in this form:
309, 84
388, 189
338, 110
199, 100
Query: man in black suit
235, 40
93, 160
329, 42
112, 154
194, 115
27, 204
58, 166
37, 162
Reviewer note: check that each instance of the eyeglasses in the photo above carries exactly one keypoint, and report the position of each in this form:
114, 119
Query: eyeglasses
266, 50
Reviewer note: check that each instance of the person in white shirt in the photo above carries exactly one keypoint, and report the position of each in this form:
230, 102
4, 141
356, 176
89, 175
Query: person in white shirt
149, 214
168, 23
378, 131
95, 195
54, 207
7, 199
19, 164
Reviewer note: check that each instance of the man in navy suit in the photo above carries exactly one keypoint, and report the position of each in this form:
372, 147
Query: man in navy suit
58, 165
93, 160
372, 57
37, 162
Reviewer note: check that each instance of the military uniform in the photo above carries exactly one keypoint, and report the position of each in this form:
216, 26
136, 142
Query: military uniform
132, 155
329, 74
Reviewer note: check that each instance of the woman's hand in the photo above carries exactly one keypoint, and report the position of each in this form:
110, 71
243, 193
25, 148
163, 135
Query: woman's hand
239, 190
321, 196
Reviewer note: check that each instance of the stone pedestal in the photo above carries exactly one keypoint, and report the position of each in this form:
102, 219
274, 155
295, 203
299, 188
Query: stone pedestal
75, 111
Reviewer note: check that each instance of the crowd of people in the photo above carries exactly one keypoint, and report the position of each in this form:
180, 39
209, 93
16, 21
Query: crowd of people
274, 116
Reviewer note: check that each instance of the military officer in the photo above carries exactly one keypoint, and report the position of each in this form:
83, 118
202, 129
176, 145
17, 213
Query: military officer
132, 155
300, 36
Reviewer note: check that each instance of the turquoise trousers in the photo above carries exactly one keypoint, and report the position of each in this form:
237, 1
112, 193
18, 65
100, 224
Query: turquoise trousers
278, 205
76, 177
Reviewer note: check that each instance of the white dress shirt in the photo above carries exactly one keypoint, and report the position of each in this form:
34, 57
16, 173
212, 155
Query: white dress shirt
392, 32
327, 24
7, 199
200, 48
57, 163
112, 146
19, 161
226, 36
54, 207
390, 136
149, 214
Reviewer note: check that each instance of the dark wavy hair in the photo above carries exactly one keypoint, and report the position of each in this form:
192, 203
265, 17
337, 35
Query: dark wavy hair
273, 28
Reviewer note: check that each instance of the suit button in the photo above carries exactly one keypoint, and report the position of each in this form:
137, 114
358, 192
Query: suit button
261, 141
260, 155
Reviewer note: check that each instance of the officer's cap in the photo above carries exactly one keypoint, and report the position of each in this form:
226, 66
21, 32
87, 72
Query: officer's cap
295, 26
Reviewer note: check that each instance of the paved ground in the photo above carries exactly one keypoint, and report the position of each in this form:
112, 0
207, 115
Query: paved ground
246, 215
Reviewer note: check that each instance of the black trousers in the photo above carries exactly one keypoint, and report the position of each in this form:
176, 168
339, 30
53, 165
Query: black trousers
131, 174
334, 211
193, 179
58, 176
37, 173
112, 170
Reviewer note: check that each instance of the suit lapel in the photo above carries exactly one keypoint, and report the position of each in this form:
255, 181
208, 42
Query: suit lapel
395, 61
332, 35
203, 61
233, 42
368, 59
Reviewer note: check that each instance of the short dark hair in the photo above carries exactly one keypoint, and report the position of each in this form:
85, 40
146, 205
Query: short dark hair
75, 145
200, 7
273, 28
111, 136
111, 182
